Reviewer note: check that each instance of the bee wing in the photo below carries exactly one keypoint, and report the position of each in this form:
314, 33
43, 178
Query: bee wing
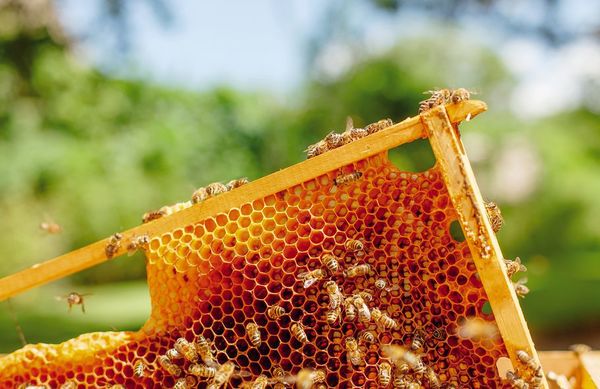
242, 374
522, 281
349, 123
309, 282
60, 298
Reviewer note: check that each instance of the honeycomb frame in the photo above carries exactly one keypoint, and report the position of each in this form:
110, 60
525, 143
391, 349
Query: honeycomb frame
220, 223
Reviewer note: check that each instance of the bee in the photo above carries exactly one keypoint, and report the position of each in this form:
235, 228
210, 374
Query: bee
330, 262
173, 354
513, 267
152, 215
236, 183
400, 355
278, 377
354, 245
51, 227
333, 140
215, 188
367, 337
384, 374
349, 308
347, 178
358, 270
494, 215
306, 378
352, 134
364, 314
116, 386
367, 296
275, 312
381, 284
378, 126
75, 298
520, 288
169, 366
188, 382
199, 195
474, 328
402, 367
299, 333
186, 349
139, 369
68, 385
332, 315
139, 242
434, 381
335, 296
417, 342
537, 378
204, 350
516, 381
253, 334
438, 97
316, 149
222, 376
459, 95
561, 382
202, 371
439, 334
311, 277
260, 382
580, 348
384, 320
527, 360
353, 352
113, 245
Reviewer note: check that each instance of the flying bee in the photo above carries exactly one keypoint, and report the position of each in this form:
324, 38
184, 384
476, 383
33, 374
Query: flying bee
400, 355
152, 215
199, 195
384, 374
520, 288
560, 381
215, 188
381, 284
173, 354
580, 348
474, 328
364, 314
223, 375
333, 314
347, 178
236, 183
460, 94
513, 267
353, 352
202, 371
367, 337
188, 382
378, 126
275, 312
253, 334
494, 215
51, 227
169, 366
311, 277
113, 245
205, 351
299, 333
75, 298
330, 262
516, 381
417, 342
438, 97
137, 243
186, 349
139, 369
354, 245
335, 296
383, 320
434, 381
358, 270
307, 378
333, 140
349, 308
316, 149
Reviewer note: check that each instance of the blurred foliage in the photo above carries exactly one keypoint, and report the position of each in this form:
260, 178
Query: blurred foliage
93, 153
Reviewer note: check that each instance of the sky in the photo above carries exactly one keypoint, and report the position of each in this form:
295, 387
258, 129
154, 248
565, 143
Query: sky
262, 44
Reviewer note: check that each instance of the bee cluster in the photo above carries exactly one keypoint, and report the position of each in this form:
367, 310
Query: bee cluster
530, 377
444, 96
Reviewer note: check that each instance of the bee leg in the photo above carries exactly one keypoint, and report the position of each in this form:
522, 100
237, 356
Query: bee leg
83, 307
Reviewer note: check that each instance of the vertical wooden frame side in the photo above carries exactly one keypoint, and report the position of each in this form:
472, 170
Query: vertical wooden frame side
468, 202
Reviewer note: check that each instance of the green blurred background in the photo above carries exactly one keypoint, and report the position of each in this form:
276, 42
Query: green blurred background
92, 137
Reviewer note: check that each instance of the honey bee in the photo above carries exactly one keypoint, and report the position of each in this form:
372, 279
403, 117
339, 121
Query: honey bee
400, 354
367, 296
199, 195
434, 381
476, 328
260, 382
383, 320
537, 378
354, 245
278, 377
402, 367
527, 360
139, 369
349, 308
311, 277
316, 149
204, 350
332, 315
215, 188
236, 183
275, 312
202, 371
75, 298
439, 334
113, 245
438, 97
139, 242
188, 382
378, 126
152, 215
384, 374
69, 385
51, 227
352, 134
306, 378
513, 267
186, 349
347, 178
335, 296
381, 284
299, 333
364, 314
560, 381
330, 262
460, 94
353, 352
169, 366
358, 270
516, 381
520, 288
253, 334
580, 348
223, 375
494, 215
367, 337
173, 354
333, 140
417, 342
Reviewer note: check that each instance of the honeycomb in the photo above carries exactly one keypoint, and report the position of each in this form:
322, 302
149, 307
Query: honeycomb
215, 276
